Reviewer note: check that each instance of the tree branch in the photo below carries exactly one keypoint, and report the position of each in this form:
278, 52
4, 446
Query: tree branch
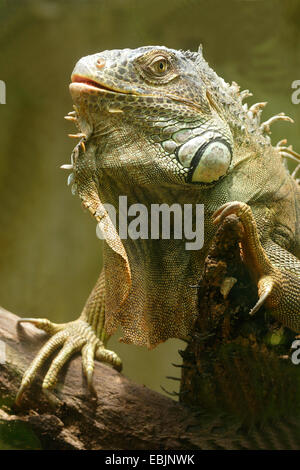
124, 416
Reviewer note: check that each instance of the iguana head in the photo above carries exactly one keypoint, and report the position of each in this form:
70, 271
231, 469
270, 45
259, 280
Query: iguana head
165, 75
159, 95
173, 105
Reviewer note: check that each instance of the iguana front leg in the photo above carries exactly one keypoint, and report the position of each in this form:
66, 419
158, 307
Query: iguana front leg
278, 283
86, 334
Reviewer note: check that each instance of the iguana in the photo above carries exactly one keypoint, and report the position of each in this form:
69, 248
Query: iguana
158, 126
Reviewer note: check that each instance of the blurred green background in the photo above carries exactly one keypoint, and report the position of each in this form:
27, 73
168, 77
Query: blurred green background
49, 254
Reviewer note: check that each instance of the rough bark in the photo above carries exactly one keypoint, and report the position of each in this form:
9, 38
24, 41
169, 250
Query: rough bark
124, 415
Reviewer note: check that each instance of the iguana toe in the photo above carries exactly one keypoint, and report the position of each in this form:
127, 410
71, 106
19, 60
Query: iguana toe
71, 337
105, 355
43, 324
235, 207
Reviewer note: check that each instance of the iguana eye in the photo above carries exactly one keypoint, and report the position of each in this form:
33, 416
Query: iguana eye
157, 67
160, 66
208, 161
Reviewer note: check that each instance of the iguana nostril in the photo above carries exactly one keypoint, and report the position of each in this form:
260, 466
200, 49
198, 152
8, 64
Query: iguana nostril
100, 63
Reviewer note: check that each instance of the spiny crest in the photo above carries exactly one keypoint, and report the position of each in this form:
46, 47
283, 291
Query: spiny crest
254, 125
245, 119
263, 128
194, 55
289, 153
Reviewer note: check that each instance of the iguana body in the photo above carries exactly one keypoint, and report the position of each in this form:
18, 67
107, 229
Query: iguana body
159, 126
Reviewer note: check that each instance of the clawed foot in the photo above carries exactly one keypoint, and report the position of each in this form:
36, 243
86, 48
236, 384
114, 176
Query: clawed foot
71, 337
235, 207
254, 254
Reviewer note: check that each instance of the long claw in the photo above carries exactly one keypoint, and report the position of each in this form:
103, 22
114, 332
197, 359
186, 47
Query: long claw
226, 209
265, 286
69, 348
45, 352
88, 353
259, 303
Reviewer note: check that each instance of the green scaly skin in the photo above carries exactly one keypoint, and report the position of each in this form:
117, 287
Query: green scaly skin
136, 110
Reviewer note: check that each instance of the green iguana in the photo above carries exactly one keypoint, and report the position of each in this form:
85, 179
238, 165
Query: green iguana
159, 126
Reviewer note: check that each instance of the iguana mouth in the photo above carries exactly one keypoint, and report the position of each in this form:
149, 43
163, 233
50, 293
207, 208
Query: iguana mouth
77, 79
87, 84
